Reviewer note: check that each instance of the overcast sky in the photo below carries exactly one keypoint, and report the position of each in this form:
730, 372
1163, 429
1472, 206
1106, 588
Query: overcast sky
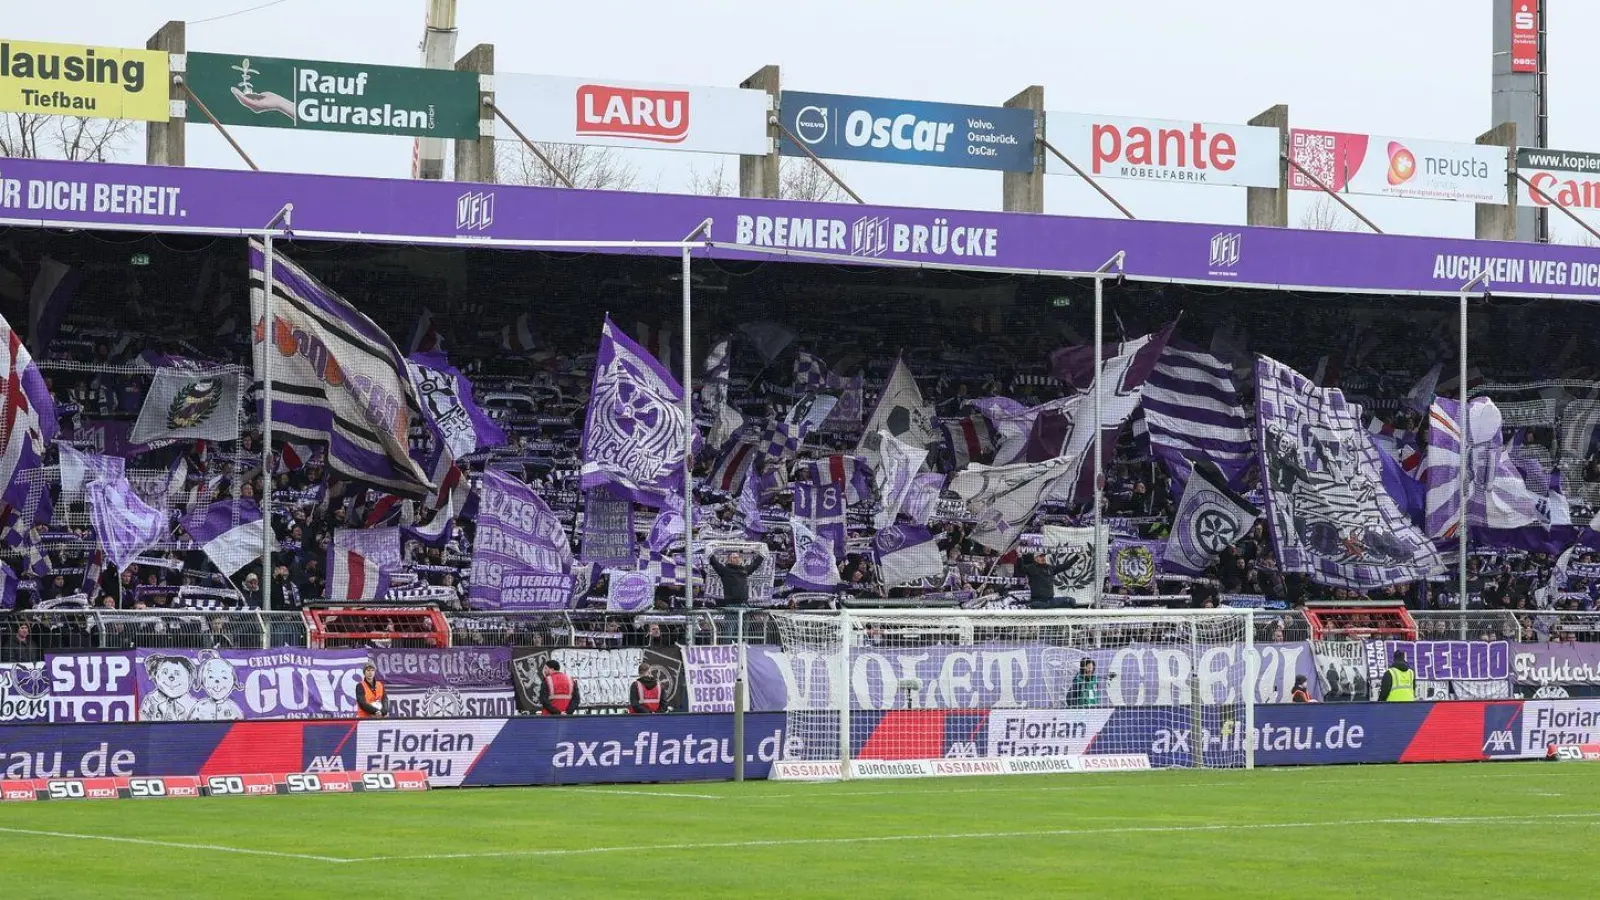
1418, 68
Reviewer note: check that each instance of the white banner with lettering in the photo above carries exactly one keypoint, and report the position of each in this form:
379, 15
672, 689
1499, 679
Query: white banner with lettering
1164, 150
635, 114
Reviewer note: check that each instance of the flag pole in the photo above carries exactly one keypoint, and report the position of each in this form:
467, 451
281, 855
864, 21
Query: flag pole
702, 230
1465, 532
283, 216
1115, 262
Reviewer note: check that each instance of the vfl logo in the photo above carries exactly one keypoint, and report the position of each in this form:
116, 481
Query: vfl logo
869, 236
1225, 248
475, 211
638, 113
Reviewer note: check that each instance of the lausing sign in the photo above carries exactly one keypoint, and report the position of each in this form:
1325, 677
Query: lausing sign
874, 129
334, 96
1165, 150
76, 80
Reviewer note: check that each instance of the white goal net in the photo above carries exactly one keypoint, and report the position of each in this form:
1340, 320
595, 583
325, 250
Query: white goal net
921, 692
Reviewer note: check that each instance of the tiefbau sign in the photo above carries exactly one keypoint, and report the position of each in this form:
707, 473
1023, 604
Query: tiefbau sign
334, 96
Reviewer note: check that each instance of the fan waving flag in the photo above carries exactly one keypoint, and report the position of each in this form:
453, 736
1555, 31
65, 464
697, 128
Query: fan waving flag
1003, 499
1211, 518
969, 441
231, 533
186, 403
635, 435
27, 429
1192, 410
1329, 515
1499, 502
125, 525
360, 562
336, 377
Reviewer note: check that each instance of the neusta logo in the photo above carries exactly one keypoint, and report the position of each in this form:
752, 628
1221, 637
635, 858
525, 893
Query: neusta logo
643, 114
1402, 163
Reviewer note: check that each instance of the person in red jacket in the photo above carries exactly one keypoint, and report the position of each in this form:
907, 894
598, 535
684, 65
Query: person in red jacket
560, 691
644, 697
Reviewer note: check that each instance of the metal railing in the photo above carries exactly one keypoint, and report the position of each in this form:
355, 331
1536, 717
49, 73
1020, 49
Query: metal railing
107, 629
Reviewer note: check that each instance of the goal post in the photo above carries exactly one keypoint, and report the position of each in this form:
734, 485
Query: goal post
886, 693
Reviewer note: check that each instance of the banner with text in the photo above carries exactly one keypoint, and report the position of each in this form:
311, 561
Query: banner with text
874, 129
1448, 670
635, 114
604, 677
1164, 150
314, 95
447, 683
1397, 167
1566, 178
210, 685
79, 80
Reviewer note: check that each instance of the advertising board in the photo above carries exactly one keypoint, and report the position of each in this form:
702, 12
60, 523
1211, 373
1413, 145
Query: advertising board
1569, 178
317, 95
1525, 36
1397, 167
611, 113
1165, 150
875, 129
79, 80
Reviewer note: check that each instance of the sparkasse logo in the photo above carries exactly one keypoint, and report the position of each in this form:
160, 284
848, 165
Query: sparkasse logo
643, 114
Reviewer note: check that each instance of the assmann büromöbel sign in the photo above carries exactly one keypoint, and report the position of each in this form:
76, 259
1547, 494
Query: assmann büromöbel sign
334, 96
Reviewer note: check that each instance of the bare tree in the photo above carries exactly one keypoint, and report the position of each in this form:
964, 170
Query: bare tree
712, 182
30, 136
596, 168
1325, 215
802, 179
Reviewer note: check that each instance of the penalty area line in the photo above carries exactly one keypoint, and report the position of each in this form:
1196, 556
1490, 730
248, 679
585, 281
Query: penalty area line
174, 845
961, 836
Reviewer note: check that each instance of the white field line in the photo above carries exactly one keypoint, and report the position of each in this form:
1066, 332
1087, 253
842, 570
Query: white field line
175, 845
668, 794
964, 836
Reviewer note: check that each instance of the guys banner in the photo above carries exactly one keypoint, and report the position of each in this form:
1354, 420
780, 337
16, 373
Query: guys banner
284, 683
1024, 675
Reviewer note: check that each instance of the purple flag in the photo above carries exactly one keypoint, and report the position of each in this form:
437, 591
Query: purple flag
48, 299
29, 423
630, 592
907, 554
1192, 410
1134, 564
1326, 507
822, 509
1211, 518
336, 378
521, 558
125, 525
634, 437
815, 566
922, 500
230, 532
456, 420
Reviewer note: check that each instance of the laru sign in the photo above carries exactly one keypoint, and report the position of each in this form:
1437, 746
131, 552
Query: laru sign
75, 80
333, 96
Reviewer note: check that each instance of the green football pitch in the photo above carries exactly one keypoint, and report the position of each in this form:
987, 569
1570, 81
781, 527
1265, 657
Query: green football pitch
1488, 830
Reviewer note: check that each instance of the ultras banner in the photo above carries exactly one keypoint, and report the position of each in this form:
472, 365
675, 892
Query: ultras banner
603, 676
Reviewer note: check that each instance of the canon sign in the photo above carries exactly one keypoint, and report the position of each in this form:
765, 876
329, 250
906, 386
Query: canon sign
1162, 150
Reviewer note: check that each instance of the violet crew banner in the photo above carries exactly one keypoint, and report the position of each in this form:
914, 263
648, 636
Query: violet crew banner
224, 685
1025, 675
52, 193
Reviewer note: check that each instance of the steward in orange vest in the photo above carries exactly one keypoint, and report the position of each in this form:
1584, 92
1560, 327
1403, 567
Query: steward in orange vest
369, 694
645, 695
560, 691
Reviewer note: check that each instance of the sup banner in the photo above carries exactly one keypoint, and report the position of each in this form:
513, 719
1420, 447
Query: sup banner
604, 677
313, 95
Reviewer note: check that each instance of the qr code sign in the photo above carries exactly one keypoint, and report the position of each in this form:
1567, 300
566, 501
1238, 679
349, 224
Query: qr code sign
1317, 153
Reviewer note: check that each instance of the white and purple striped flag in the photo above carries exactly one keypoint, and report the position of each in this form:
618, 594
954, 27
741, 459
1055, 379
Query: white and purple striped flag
231, 532
360, 561
1192, 411
336, 378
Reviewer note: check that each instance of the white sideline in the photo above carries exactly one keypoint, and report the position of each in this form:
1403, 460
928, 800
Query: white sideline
583, 790
146, 842
805, 842
982, 835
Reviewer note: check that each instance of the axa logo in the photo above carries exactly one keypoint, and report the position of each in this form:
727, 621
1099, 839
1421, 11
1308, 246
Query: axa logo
1225, 249
1402, 163
1500, 742
475, 211
869, 236
642, 114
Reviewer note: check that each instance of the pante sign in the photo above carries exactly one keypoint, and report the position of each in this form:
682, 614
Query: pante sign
1165, 150
1397, 167
632, 114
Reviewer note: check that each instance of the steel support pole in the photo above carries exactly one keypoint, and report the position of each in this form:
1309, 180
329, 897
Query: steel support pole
1464, 533
688, 449
282, 219
1114, 263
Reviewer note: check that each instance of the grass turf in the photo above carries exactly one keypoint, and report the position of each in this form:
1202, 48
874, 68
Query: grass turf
1502, 830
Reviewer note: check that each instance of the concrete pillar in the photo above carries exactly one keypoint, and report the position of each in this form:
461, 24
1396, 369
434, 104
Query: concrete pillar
1270, 206
163, 141
1520, 98
1024, 191
475, 158
758, 175
1497, 221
